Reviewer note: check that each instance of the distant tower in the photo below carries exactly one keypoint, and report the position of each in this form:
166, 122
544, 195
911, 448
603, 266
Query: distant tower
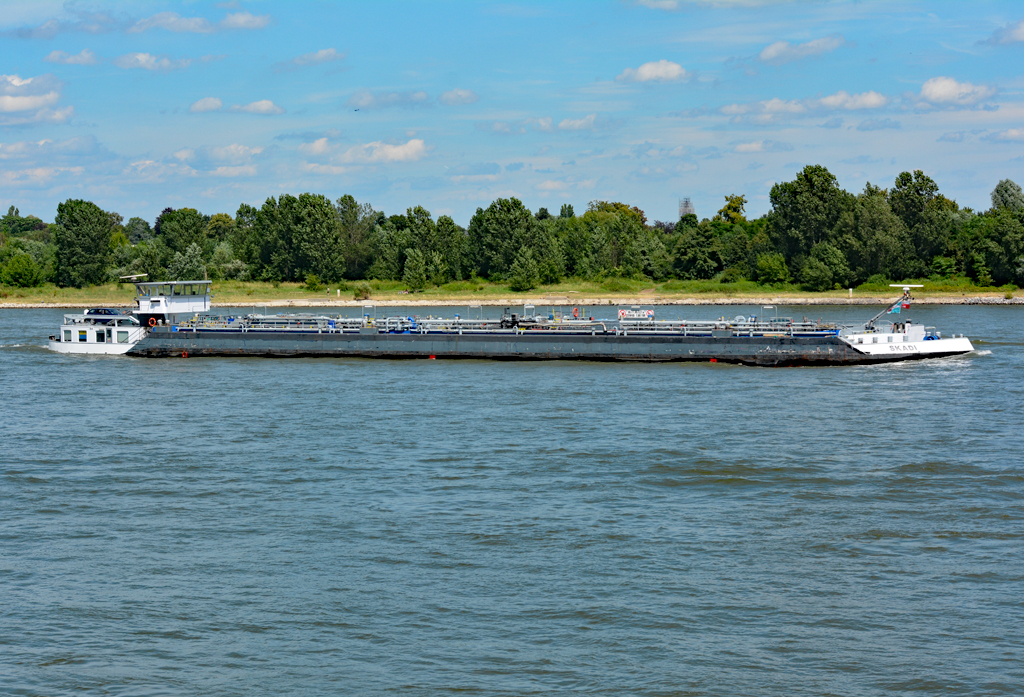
685, 207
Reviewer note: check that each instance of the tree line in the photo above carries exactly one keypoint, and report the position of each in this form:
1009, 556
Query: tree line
816, 235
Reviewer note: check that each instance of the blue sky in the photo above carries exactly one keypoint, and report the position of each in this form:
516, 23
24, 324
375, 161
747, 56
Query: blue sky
450, 105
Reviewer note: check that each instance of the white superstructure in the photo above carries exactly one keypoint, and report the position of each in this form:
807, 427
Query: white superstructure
98, 330
173, 298
113, 331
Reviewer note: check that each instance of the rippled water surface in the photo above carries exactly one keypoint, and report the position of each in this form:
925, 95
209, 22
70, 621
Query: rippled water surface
348, 526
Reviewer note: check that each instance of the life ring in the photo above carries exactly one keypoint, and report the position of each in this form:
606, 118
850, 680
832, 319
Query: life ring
575, 313
152, 321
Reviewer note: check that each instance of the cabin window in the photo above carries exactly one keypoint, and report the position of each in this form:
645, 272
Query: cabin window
99, 336
874, 340
890, 338
122, 337
83, 335
67, 335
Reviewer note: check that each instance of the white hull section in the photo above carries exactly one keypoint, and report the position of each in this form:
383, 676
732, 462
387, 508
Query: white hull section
89, 348
899, 349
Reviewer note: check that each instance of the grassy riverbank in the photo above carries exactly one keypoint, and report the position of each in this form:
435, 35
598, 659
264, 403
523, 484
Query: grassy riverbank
615, 290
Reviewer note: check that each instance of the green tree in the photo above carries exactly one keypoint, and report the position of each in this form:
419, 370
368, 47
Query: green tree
389, 244
451, 243
357, 222
910, 196
415, 273
815, 275
772, 269
732, 211
1008, 195
694, 253
138, 230
575, 238
496, 236
806, 210
187, 266
21, 270
82, 234
875, 240
182, 228
524, 274
220, 227
245, 242
312, 224
566, 211
835, 261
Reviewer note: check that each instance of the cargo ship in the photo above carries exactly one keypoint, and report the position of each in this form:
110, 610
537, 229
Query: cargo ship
175, 322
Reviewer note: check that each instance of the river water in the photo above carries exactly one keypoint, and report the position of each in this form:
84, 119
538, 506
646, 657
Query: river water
348, 526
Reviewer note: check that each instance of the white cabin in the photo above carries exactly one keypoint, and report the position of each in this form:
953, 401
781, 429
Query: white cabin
98, 330
162, 300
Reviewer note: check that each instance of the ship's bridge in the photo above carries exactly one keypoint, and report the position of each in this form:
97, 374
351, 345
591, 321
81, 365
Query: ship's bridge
173, 297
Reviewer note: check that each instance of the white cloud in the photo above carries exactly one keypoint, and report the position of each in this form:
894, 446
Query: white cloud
314, 168
1010, 34
320, 146
772, 110
59, 152
946, 90
457, 97
86, 57
185, 154
877, 124
552, 185
234, 153
365, 99
237, 171
377, 152
672, 5
844, 100
172, 21
762, 146
87, 22
655, 71
263, 106
36, 175
46, 115
9, 103
324, 55
659, 4
245, 20
783, 106
205, 104
19, 96
1011, 134
584, 124
784, 52
147, 61
544, 123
